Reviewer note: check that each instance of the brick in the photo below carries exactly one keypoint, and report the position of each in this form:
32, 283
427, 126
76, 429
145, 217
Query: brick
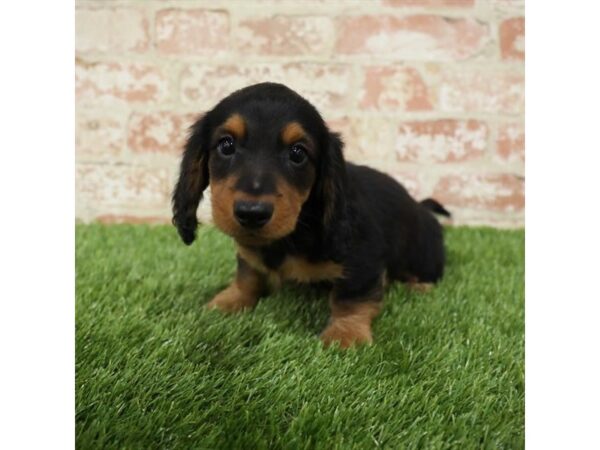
492, 192
482, 90
503, 7
160, 132
512, 39
101, 138
113, 30
431, 3
110, 219
100, 187
367, 140
341, 125
441, 141
410, 181
418, 37
327, 86
106, 83
192, 31
510, 146
294, 2
395, 88
284, 35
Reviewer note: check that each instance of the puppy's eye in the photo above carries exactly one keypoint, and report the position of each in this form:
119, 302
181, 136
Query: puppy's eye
297, 154
226, 146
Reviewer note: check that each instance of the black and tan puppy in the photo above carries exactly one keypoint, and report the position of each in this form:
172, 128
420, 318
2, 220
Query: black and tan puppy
297, 211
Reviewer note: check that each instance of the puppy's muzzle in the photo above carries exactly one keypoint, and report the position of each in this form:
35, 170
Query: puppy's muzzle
251, 214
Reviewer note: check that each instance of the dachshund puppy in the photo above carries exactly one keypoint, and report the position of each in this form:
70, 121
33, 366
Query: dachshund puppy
297, 211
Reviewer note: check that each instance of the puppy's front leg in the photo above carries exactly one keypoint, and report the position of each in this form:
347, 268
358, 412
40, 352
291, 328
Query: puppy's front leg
243, 292
351, 317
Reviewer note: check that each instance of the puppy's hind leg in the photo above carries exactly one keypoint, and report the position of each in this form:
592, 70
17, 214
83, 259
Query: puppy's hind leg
426, 256
414, 284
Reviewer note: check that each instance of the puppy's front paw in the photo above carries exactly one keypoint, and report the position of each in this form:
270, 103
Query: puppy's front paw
347, 333
231, 300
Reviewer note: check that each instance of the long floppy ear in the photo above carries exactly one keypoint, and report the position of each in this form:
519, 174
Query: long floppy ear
332, 190
193, 179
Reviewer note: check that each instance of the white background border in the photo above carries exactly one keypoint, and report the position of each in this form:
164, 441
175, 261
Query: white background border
562, 225
37, 233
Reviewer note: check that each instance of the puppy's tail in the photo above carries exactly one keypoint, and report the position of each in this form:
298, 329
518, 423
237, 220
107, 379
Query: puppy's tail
435, 207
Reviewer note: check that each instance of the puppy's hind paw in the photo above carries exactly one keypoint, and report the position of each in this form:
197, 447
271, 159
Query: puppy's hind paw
420, 287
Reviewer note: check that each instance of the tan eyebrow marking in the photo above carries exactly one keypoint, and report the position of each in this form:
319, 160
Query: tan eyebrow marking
235, 125
293, 132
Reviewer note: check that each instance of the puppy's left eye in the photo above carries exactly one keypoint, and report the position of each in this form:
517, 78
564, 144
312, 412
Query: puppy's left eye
226, 146
297, 154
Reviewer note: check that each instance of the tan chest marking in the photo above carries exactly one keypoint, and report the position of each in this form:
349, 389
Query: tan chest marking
253, 259
294, 268
299, 269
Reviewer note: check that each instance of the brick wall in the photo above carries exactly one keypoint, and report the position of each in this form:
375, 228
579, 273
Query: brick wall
430, 91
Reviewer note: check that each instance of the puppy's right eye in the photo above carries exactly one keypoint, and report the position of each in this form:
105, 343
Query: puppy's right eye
297, 154
226, 146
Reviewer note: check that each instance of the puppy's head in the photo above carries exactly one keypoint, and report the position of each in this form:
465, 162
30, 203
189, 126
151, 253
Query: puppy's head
265, 151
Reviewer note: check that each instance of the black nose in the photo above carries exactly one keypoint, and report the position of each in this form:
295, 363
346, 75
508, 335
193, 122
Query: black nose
252, 214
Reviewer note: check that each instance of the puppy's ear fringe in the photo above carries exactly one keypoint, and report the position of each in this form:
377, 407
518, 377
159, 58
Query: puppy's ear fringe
333, 182
193, 180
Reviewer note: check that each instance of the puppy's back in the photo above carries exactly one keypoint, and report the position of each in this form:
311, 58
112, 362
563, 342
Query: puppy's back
410, 235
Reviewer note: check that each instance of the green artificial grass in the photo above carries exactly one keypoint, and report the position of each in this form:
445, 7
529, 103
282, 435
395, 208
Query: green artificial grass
155, 370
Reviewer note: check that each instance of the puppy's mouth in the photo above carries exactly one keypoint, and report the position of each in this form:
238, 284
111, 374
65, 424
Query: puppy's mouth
259, 237
256, 222
252, 238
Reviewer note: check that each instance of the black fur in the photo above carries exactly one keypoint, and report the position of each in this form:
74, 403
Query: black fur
193, 180
435, 206
354, 215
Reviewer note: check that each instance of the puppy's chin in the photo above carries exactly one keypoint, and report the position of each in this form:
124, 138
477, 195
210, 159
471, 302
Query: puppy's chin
276, 229
252, 238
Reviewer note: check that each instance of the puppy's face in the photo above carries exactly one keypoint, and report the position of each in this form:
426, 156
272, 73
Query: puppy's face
262, 168
264, 150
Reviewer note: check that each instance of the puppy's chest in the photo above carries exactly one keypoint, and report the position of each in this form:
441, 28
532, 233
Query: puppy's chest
292, 267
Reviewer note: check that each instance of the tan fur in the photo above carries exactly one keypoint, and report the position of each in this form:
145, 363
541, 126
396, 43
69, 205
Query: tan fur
350, 324
232, 299
222, 198
292, 133
293, 268
414, 284
299, 269
241, 294
235, 125
253, 259
287, 204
